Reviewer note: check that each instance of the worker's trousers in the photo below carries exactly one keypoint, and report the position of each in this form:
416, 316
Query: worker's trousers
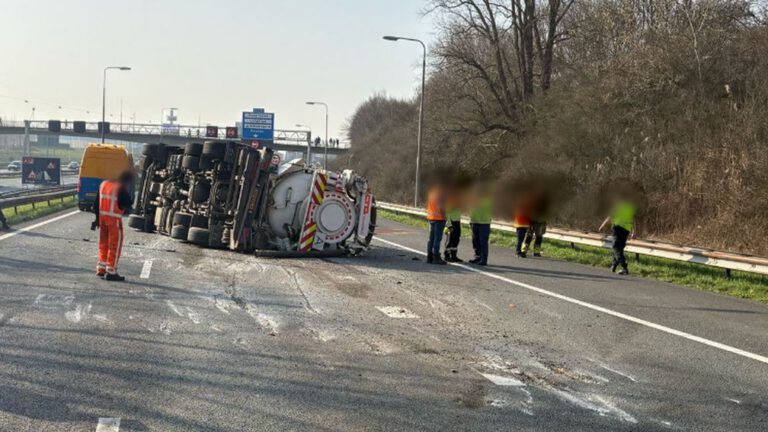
452, 241
521, 233
535, 234
481, 235
110, 243
620, 236
435, 237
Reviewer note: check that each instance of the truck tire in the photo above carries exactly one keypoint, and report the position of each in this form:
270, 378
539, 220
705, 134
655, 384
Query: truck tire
136, 222
183, 219
206, 162
199, 221
193, 149
179, 232
200, 193
191, 163
214, 149
198, 236
149, 150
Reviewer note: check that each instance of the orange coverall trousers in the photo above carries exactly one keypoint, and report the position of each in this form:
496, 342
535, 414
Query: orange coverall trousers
110, 244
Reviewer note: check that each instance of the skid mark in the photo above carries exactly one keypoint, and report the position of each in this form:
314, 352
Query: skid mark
80, 312
192, 315
54, 300
619, 373
264, 320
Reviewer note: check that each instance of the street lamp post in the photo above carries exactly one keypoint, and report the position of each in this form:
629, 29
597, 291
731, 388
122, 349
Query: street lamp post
325, 151
421, 109
104, 98
309, 142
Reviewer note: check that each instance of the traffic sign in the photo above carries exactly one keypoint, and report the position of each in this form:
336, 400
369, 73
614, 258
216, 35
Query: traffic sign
40, 170
258, 125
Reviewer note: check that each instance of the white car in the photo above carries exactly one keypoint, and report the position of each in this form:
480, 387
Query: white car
14, 166
73, 166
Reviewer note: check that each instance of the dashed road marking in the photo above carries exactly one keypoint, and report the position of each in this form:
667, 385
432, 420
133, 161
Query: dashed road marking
659, 327
145, 269
396, 312
108, 424
37, 225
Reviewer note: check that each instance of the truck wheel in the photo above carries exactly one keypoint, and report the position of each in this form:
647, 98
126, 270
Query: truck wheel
149, 150
198, 236
206, 162
193, 149
214, 241
183, 219
200, 193
199, 221
214, 149
191, 163
179, 232
136, 222
372, 227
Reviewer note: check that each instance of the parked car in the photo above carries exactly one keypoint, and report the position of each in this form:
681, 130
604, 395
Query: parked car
73, 166
14, 166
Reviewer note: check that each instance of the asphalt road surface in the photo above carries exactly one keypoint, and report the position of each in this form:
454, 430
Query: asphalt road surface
202, 339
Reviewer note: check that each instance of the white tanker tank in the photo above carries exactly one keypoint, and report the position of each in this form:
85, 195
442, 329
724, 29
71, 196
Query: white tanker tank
310, 210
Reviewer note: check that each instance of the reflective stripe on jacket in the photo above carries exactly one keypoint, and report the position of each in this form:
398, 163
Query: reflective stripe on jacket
108, 192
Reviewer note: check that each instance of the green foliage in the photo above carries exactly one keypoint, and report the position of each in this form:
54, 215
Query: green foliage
26, 212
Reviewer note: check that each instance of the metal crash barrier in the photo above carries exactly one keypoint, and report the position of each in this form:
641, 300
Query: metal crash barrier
726, 260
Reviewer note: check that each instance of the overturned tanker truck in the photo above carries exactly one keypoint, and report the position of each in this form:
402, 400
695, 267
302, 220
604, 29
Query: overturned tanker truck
230, 195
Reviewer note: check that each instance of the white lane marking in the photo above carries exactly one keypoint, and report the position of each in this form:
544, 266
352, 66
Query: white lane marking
396, 312
659, 327
503, 381
37, 225
108, 424
145, 269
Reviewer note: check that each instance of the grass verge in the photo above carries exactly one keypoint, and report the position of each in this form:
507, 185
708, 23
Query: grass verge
741, 284
26, 212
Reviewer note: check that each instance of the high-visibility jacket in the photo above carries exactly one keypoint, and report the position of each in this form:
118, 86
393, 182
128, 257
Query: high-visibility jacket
522, 220
435, 205
482, 213
452, 209
108, 196
623, 215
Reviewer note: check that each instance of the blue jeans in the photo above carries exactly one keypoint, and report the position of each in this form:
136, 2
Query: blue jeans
435, 237
481, 235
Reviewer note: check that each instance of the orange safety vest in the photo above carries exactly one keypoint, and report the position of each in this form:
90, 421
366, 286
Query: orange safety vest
522, 220
435, 206
108, 199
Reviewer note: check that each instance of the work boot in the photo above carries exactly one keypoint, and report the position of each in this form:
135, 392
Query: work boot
624, 270
537, 254
613, 267
474, 260
455, 258
439, 261
114, 277
521, 255
101, 273
429, 258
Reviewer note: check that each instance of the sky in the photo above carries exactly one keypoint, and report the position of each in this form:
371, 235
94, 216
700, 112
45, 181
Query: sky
210, 59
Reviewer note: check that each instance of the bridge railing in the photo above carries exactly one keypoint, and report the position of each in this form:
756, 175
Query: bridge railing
285, 137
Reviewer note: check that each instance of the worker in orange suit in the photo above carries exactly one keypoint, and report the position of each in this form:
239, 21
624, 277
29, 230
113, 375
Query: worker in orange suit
436, 217
112, 201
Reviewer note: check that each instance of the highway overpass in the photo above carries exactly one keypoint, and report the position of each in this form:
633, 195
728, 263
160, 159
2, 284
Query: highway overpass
285, 140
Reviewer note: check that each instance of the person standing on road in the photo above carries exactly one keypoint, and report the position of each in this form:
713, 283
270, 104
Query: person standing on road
112, 201
480, 217
436, 218
453, 224
538, 222
622, 219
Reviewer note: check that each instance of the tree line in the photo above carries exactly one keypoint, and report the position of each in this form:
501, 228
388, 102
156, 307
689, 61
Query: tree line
669, 94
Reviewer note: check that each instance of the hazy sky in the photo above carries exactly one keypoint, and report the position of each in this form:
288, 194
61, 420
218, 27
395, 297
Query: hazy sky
211, 59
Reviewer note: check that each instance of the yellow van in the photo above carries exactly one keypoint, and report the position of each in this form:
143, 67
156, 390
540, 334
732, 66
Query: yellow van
100, 162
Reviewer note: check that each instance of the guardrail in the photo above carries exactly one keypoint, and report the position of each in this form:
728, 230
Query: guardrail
34, 196
725, 260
